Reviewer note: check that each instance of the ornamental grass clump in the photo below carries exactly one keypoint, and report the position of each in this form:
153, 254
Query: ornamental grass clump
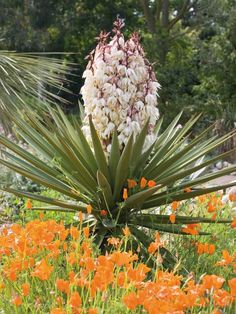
123, 176
120, 89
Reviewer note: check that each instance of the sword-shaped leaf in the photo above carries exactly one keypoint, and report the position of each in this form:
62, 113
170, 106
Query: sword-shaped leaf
98, 151
122, 168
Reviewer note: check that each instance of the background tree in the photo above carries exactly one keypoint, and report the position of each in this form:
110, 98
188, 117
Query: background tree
190, 42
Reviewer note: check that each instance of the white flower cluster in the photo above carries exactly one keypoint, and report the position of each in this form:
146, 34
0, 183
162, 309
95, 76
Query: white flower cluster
120, 89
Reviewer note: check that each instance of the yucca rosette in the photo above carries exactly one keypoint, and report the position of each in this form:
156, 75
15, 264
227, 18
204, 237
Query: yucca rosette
120, 89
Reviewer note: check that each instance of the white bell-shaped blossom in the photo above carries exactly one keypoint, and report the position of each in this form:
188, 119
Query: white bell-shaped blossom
120, 89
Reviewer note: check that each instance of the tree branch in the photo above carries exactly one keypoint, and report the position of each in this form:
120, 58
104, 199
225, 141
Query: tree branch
186, 6
158, 10
148, 15
165, 13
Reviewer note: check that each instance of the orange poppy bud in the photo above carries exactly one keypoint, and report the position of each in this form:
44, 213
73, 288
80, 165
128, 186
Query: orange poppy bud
143, 183
81, 217
125, 194
187, 190
86, 232
89, 209
103, 212
17, 301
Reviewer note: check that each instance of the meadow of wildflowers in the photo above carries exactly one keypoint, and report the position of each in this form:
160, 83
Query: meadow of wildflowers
48, 268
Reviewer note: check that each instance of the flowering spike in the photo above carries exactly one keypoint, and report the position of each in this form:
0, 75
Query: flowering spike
120, 89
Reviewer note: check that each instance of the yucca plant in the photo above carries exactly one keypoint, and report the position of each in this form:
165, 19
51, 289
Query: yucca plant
117, 162
84, 176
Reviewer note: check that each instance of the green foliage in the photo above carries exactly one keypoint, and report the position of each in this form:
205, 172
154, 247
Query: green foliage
84, 176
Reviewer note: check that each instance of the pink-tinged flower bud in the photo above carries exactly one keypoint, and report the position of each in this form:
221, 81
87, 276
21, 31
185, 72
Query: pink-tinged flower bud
120, 89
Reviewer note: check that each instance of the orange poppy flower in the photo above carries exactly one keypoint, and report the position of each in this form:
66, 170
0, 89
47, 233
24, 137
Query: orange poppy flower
232, 197
92, 311
227, 259
42, 270
113, 241
17, 301
190, 231
211, 249
172, 218
211, 207
125, 194
75, 299
126, 231
212, 281
131, 183
81, 216
63, 285
131, 300
232, 285
25, 289
175, 205
28, 204
57, 311
143, 183
74, 232
233, 224
151, 183
86, 232
41, 215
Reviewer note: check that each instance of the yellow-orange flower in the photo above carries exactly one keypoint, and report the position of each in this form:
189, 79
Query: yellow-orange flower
143, 183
